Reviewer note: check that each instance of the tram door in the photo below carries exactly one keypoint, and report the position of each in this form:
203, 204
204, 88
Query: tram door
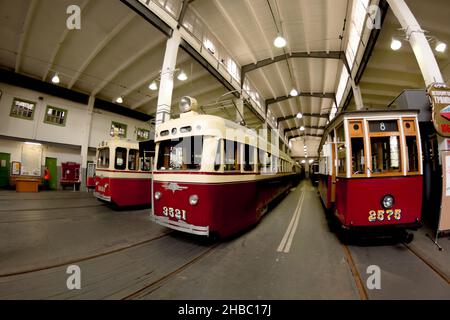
432, 175
334, 168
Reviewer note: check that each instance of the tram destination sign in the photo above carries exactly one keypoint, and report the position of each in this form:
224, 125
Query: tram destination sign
383, 126
440, 100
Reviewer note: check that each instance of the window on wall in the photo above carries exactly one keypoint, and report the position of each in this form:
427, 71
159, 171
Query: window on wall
118, 129
55, 116
142, 134
23, 109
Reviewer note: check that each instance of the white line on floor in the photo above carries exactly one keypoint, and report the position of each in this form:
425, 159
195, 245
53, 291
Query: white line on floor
294, 229
291, 224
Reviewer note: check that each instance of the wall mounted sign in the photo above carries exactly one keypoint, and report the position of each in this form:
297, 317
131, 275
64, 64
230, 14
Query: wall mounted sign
444, 219
439, 94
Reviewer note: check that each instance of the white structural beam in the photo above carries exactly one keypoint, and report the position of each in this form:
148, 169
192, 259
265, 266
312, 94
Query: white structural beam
117, 29
24, 37
419, 43
167, 73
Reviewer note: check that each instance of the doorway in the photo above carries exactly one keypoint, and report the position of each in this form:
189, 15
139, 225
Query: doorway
4, 169
51, 164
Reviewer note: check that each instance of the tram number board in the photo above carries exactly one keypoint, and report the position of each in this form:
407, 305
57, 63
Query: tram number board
383, 126
385, 215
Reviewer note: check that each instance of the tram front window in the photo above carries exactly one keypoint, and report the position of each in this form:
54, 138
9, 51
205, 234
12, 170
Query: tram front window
180, 154
385, 154
103, 158
413, 156
358, 163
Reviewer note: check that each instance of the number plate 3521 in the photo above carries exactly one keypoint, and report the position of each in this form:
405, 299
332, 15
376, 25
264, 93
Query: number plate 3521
385, 215
174, 213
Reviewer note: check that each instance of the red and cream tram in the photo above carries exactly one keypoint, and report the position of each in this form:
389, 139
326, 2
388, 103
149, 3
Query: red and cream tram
371, 170
214, 177
122, 176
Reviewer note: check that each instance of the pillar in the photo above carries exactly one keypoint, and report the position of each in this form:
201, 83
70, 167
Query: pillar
85, 144
167, 73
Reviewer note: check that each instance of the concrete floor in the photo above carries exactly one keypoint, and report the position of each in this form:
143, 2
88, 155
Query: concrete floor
124, 255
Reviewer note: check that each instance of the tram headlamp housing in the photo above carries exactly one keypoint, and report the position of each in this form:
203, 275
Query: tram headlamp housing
193, 200
388, 201
158, 195
188, 104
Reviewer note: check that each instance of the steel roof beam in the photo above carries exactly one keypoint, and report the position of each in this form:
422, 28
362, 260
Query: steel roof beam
306, 127
327, 95
312, 115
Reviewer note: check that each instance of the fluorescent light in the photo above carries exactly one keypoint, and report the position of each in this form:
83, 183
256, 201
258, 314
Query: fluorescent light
119, 100
55, 78
396, 44
153, 86
182, 76
293, 93
299, 115
279, 42
440, 47
33, 143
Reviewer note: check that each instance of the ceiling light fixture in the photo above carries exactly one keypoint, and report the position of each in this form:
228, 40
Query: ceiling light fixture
396, 44
55, 78
293, 92
119, 100
302, 128
440, 46
279, 42
299, 115
153, 86
182, 76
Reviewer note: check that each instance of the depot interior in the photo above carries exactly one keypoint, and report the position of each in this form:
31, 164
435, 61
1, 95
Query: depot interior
72, 78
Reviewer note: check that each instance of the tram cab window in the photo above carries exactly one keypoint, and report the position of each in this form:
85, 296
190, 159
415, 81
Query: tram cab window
413, 155
180, 154
121, 159
249, 153
358, 160
103, 158
232, 155
133, 159
385, 154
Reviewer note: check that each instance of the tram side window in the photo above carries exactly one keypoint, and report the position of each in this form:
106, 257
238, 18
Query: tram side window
180, 154
249, 152
413, 155
232, 153
218, 159
385, 154
121, 159
358, 160
133, 159
264, 160
103, 158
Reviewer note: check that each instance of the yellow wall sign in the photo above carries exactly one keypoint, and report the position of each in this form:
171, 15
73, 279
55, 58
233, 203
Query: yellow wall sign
440, 100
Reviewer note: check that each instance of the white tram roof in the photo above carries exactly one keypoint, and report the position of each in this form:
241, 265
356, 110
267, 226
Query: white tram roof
365, 114
194, 124
118, 142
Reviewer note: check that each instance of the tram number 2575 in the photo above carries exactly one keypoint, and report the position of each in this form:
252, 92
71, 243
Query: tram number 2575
382, 215
174, 213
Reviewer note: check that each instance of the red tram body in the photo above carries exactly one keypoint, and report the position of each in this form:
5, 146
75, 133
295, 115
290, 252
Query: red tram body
215, 177
371, 170
122, 181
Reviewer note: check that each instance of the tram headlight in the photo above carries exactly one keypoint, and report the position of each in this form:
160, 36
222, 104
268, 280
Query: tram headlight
193, 200
388, 201
158, 195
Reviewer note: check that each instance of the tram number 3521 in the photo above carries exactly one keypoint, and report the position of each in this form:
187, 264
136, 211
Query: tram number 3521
174, 213
382, 215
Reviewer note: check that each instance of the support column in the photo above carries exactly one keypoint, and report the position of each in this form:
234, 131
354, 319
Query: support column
167, 73
357, 94
239, 103
419, 43
85, 144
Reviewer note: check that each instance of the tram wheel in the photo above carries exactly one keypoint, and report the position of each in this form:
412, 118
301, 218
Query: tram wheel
408, 238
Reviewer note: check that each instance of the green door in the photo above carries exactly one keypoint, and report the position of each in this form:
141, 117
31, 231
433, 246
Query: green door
4, 169
50, 163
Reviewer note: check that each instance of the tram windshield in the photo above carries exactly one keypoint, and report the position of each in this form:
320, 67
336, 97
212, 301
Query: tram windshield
103, 158
385, 154
180, 154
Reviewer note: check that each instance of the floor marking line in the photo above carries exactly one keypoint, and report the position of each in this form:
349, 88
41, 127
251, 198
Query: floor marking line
294, 229
356, 276
288, 230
